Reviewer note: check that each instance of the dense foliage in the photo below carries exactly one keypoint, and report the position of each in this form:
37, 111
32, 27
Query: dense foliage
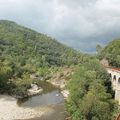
112, 53
91, 94
25, 52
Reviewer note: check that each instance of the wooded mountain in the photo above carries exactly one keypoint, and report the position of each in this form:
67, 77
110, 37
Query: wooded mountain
112, 53
24, 52
27, 46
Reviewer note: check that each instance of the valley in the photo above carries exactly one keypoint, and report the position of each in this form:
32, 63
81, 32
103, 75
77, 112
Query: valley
42, 79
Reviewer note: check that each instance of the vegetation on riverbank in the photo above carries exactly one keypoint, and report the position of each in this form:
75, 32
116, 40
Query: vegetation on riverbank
91, 94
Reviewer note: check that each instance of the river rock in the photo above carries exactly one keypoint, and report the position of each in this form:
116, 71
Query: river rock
65, 93
34, 90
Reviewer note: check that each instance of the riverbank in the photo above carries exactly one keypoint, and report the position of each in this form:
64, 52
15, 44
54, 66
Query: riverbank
9, 110
57, 113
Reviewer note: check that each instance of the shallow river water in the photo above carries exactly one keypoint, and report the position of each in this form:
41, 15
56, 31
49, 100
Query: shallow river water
52, 99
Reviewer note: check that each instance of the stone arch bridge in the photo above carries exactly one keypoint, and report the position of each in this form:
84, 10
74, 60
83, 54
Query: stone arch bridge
115, 79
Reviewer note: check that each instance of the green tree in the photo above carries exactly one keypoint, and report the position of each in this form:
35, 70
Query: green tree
89, 97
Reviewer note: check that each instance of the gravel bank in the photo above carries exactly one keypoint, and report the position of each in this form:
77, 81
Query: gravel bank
9, 110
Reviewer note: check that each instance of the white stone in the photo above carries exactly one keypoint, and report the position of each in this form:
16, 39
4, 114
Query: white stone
34, 90
65, 93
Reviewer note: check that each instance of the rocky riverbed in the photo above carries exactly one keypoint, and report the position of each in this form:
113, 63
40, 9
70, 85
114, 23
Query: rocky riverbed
48, 106
9, 110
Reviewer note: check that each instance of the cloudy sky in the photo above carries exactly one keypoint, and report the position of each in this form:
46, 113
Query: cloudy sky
78, 23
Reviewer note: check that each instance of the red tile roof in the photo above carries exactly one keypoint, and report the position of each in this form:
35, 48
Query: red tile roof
113, 68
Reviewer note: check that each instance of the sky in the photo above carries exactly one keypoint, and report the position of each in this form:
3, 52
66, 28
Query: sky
81, 24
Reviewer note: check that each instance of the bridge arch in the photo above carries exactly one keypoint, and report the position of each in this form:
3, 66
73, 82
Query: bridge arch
119, 80
114, 78
114, 73
110, 75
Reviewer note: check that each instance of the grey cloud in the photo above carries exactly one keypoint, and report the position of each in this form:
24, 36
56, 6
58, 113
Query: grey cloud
78, 23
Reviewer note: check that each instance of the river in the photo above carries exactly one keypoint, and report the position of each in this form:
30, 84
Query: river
47, 106
50, 98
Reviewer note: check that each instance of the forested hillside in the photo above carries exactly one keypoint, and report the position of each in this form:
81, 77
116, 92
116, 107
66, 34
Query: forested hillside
22, 44
112, 53
91, 94
24, 52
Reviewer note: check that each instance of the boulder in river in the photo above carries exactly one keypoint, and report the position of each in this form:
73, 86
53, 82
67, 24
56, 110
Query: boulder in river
34, 90
65, 93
